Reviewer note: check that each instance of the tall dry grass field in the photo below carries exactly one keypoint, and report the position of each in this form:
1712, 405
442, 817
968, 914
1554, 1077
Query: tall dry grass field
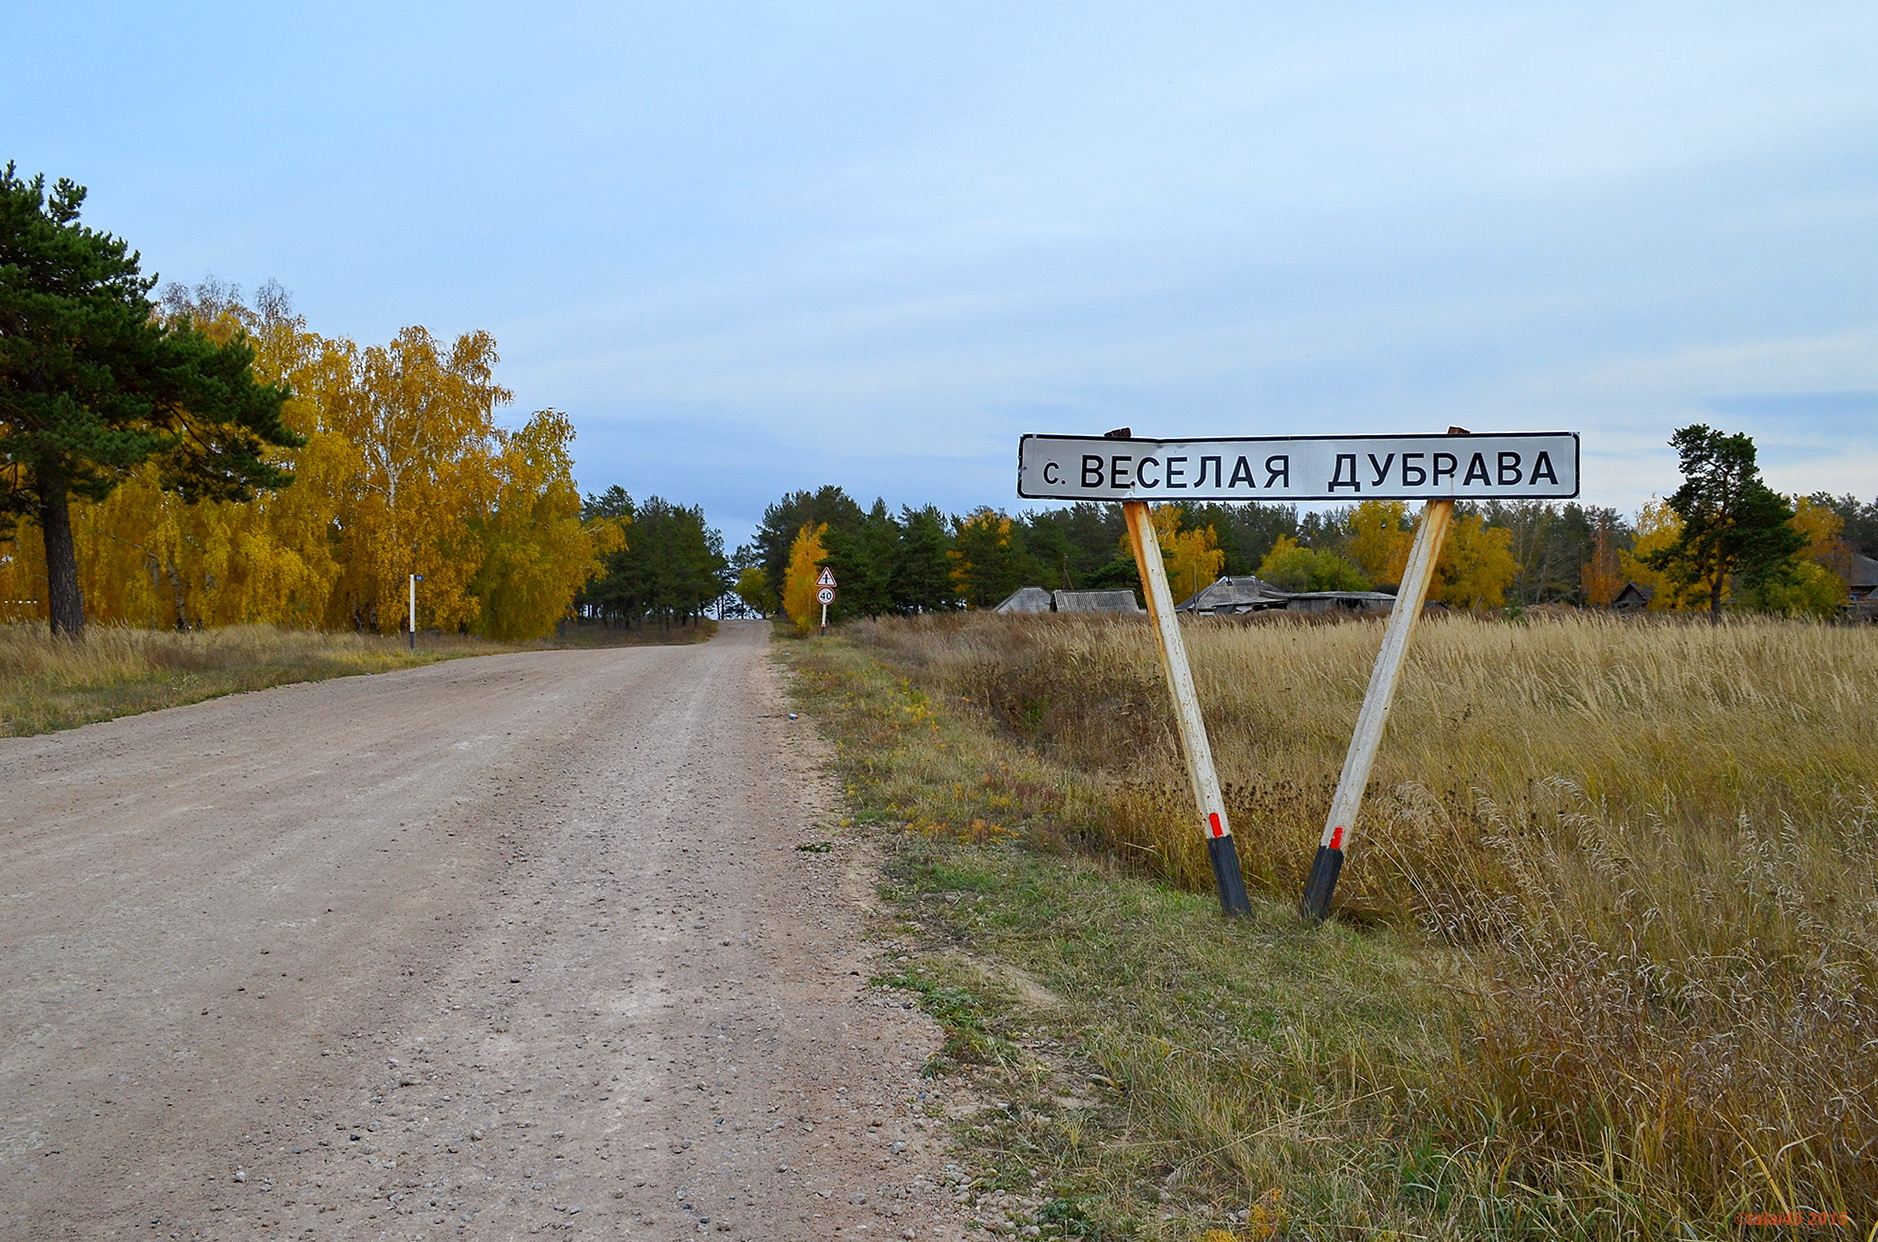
1657, 840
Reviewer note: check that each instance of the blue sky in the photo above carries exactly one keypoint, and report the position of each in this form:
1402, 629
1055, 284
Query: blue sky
752, 248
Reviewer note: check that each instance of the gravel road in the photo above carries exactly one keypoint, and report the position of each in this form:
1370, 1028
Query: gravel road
496, 947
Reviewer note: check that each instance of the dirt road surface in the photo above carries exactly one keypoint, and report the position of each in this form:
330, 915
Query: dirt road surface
497, 947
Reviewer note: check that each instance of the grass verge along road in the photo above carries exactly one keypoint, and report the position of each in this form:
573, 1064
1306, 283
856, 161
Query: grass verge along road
1611, 972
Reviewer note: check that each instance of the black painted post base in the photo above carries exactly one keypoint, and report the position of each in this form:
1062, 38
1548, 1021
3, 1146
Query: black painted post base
1225, 859
1325, 868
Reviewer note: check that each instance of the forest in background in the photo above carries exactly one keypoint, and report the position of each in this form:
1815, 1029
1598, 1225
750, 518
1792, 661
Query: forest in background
405, 470
1499, 554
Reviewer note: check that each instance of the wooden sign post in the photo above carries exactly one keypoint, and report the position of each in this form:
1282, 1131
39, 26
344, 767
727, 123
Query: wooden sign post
1193, 743
1339, 827
1438, 470
1410, 597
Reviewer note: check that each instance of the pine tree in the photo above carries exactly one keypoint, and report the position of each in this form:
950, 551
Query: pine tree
93, 384
922, 567
783, 521
987, 564
862, 560
1733, 524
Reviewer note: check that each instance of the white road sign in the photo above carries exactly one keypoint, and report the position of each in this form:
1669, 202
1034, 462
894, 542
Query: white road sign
826, 577
1531, 465
826, 595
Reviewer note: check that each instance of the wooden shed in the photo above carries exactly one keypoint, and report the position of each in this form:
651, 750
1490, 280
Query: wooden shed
1633, 598
1861, 580
1340, 602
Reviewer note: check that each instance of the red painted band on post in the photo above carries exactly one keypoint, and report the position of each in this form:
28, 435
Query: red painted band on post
1336, 837
1212, 819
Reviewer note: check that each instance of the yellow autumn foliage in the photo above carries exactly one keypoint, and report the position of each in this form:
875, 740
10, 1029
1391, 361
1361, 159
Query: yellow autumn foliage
1602, 577
1377, 540
1823, 529
534, 543
805, 557
1192, 557
1658, 526
404, 471
1476, 564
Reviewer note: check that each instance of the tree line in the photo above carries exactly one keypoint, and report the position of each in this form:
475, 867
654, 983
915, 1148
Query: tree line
1724, 537
667, 568
199, 460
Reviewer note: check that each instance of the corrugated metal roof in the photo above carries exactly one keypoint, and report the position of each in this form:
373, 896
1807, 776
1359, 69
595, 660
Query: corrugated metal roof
1242, 594
1096, 601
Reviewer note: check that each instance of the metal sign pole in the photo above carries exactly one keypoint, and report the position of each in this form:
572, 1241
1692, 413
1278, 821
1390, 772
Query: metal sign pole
1340, 825
1199, 753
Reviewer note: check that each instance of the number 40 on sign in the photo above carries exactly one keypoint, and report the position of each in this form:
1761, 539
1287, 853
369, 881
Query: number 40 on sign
825, 593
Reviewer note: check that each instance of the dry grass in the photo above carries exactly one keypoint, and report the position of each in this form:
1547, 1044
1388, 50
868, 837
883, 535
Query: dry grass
48, 683
1656, 843
51, 683
1184, 1069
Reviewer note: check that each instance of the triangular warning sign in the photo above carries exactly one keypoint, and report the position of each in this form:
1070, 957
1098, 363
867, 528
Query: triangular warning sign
825, 578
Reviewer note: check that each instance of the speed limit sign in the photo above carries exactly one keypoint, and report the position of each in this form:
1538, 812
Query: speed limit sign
826, 595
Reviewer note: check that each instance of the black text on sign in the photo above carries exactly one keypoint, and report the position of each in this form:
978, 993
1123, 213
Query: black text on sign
1536, 465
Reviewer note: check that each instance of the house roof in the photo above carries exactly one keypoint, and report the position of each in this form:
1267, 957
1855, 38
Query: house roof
1096, 601
1371, 596
1242, 594
1863, 572
1025, 599
1325, 601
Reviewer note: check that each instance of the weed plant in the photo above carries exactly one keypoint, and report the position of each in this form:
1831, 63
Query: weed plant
1653, 843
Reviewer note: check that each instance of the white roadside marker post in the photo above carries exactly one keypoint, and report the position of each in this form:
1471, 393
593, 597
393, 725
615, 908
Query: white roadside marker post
1340, 824
415, 579
1193, 742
